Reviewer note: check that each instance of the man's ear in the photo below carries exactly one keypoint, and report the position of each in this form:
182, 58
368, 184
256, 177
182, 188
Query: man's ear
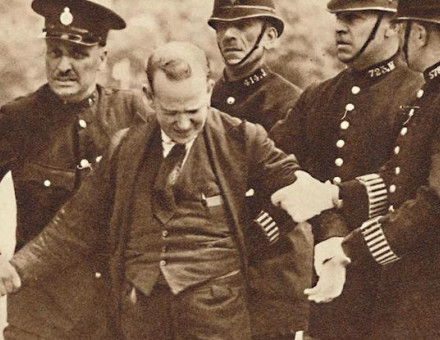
392, 29
103, 57
146, 89
269, 37
421, 34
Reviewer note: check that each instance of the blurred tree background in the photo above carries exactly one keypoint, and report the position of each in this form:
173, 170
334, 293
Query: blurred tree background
304, 54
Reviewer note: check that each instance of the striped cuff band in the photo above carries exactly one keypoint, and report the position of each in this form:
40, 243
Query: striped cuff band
377, 194
377, 242
269, 227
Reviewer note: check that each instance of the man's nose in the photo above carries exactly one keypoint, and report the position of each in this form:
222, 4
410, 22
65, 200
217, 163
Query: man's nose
230, 32
341, 26
183, 122
64, 64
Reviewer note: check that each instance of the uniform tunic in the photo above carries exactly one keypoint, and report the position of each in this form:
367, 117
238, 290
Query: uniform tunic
50, 146
277, 303
340, 129
403, 242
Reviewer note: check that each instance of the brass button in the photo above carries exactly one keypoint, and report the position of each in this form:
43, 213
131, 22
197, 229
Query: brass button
339, 162
355, 89
349, 107
397, 150
420, 93
47, 183
404, 131
165, 233
98, 275
393, 188
397, 171
345, 125
340, 143
337, 180
230, 100
163, 263
82, 123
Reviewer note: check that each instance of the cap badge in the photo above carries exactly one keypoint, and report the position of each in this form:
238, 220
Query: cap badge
66, 17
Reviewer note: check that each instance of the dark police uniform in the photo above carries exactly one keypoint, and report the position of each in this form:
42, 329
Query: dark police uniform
277, 302
51, 146
402, 203
340, 129
263, 97
277, 278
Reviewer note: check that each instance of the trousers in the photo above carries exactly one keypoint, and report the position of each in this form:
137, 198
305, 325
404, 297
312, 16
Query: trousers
216, 310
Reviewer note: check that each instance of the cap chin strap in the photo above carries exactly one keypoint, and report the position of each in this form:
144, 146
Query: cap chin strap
405, 41
256, 46
370, 39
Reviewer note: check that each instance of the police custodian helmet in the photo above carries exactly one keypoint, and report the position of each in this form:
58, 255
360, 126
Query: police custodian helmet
232, 10
336, 6
420, 10
78, 21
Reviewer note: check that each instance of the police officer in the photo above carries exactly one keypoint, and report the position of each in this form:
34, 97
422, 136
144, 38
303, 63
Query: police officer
402, 201
50, 140
345, 127
249, 90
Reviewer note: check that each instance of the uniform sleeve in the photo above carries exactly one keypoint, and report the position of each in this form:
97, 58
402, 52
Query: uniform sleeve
412, 227
79, 228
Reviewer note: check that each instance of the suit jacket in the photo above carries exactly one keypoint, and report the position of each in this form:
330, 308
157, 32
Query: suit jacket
46, 144
99, 215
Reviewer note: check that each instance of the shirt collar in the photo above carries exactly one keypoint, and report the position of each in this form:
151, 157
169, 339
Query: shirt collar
168, 143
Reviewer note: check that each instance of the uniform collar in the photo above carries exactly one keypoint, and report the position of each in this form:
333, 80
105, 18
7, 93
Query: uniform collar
83, 104
432, 74
379, 70
251, 80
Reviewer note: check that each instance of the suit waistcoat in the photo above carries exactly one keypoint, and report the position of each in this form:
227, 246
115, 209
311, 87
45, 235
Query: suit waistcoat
190, 243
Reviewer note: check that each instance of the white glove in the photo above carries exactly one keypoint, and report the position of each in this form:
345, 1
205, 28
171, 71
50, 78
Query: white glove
306, 197
10, 281
327, 250
331, 281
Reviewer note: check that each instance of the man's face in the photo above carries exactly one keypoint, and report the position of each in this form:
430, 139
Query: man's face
352, 31
181, 105
237, 38
72, 69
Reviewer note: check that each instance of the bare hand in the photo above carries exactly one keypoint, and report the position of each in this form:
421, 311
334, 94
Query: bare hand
10, 281
306, 197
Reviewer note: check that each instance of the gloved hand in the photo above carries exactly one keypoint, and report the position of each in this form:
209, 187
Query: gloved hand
306, 197
10, 281
331, 280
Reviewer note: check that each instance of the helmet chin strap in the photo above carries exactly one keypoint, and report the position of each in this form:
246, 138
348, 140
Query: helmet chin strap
253, 49
370, 39
405, 41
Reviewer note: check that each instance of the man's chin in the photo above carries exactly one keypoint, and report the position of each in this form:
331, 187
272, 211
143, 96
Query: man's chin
66, 94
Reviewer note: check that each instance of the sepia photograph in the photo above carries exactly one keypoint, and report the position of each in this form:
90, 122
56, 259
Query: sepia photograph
219, 169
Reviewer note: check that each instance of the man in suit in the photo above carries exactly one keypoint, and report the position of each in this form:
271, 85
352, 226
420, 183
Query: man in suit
51, 140
250, 90
168, 204
345, 127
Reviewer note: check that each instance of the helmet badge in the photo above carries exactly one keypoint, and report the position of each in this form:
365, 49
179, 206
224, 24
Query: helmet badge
66, 18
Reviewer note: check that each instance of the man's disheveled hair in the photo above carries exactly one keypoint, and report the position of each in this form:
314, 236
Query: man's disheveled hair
178, 61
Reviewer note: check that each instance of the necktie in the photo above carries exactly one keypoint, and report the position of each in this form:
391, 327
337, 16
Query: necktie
167, 176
